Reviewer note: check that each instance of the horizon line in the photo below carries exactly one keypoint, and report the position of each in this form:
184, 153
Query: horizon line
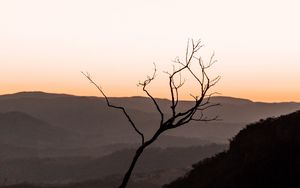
98, 96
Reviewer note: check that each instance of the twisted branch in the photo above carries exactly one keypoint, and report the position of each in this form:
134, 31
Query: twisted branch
201, 100
87, 75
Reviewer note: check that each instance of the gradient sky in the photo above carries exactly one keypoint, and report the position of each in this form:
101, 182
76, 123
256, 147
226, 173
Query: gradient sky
44, 44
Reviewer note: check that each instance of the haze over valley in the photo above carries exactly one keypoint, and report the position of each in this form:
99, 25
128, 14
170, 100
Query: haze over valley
149, 94
59, 138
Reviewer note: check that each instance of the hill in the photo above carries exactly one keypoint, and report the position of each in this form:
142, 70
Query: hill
74, 169
91, 118
24, 136
21, 129
264, 154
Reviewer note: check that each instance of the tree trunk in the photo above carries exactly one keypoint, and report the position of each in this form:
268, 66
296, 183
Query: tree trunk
128, 173
138, 153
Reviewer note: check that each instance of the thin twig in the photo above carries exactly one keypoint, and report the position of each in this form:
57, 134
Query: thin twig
87, 75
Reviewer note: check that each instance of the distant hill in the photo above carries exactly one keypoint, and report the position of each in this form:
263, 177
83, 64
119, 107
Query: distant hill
21, 129
264, 154
24, 136
75, 169
84, 115
64, 138
91, 117
230, 100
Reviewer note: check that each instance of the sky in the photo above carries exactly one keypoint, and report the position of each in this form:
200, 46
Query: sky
45, 44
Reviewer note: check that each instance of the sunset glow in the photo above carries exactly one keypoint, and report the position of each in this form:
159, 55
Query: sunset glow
45, 44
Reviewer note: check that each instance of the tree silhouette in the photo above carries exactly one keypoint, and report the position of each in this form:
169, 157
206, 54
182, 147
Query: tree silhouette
177, 118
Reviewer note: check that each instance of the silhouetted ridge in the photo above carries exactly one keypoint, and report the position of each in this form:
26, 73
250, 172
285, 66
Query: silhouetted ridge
41, 94
264, 154
89, 117
34, 94
230, 100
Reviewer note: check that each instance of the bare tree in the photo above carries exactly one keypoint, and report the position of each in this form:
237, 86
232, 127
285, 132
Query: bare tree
177, 118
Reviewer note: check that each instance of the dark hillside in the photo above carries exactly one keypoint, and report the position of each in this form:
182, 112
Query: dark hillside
264, 154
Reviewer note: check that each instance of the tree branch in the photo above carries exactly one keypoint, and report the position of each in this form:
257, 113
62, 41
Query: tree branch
144, 85
177, 119
87, 75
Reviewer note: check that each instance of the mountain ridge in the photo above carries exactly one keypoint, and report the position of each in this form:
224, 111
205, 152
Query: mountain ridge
90, 115
43, 94
264, 154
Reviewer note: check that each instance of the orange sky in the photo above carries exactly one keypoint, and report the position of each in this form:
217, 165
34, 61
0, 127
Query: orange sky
44, 44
